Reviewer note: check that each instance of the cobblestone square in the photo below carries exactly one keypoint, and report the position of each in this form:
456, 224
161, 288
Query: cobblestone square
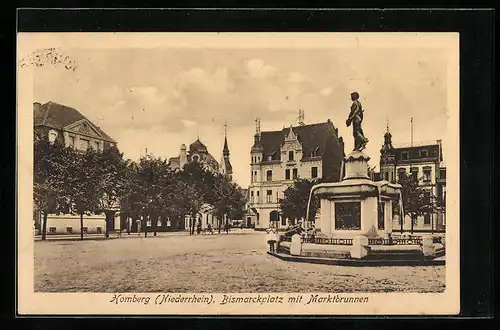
223, 263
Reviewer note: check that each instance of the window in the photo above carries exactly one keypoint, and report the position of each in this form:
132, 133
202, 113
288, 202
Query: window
386, 176
196, 158
295, 174
404, 155
283, 220
270, 157
99, 230
427, 219
269, 196
424, 154
71, 141
269, 175
274, 216
52, 230
258, 197
85, 230
97, 145
348, 216
287, 174
84, 144
314, 172
414, 173
442, 174
69, 230
381, 216
251, 196
290, 155
427, 174
401, 173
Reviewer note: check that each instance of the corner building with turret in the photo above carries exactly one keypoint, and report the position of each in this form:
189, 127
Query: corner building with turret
311, 151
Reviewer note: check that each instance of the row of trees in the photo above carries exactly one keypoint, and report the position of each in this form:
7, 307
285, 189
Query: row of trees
417, 199
70, 181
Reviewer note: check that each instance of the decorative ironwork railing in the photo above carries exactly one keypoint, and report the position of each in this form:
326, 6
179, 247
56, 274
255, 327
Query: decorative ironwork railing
437, 240
395, 241
329, 241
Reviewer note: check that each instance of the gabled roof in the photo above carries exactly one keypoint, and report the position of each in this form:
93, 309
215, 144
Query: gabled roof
313, 137
58, 116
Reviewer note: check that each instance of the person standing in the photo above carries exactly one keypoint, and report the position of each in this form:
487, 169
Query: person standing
271, 238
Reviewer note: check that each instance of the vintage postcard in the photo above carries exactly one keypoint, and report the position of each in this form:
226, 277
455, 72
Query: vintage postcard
238, 173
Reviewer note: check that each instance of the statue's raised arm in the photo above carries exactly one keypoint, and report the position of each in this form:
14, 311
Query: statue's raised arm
356, 118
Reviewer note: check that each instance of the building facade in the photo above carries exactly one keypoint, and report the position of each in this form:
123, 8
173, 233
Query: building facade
61, 123
279, 157
198, 152
424, 161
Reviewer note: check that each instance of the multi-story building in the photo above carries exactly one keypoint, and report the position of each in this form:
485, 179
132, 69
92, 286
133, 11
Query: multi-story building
58, 122
424, 161
279, 157
198, 152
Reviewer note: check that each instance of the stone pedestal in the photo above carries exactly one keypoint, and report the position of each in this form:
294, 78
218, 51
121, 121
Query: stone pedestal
350, 208
359, 247
428, 248
296, 246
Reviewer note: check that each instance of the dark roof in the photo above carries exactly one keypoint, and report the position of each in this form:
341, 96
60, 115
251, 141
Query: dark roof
197, 146
59, 116
313, 137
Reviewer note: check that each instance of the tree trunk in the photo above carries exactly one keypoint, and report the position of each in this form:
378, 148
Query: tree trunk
44, 225
81, 226
411, 224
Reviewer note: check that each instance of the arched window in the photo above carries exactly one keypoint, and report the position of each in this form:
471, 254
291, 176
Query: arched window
274, 216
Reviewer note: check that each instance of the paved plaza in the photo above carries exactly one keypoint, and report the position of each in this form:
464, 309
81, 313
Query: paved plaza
237, 262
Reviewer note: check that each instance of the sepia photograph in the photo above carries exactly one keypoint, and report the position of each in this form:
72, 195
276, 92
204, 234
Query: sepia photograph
223, 173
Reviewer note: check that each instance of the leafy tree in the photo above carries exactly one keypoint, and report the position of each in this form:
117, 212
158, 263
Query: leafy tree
417, 200
296, 197
112, 182
83, 183
199, 182
148, 189
49, 176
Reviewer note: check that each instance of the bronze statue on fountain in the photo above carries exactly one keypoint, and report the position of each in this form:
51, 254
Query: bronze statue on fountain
356, 118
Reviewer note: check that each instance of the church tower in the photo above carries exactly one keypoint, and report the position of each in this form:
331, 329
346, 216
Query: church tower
387, 158
226, 167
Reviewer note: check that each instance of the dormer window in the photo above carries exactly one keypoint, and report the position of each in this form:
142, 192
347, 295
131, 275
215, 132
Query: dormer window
290, 155
314, 153
404, 155
424, 154
52, 136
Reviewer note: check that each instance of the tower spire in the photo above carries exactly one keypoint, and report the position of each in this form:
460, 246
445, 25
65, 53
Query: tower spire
225, 151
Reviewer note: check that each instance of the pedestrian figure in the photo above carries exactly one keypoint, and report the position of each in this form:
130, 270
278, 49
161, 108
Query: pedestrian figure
271, 238
226, 228
198, 228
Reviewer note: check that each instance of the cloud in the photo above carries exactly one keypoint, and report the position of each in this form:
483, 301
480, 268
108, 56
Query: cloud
256, 68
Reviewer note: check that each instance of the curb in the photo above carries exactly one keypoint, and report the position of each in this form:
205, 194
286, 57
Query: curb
359, 262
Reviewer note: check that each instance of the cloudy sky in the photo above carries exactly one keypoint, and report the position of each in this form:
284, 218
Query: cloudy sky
160, 98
